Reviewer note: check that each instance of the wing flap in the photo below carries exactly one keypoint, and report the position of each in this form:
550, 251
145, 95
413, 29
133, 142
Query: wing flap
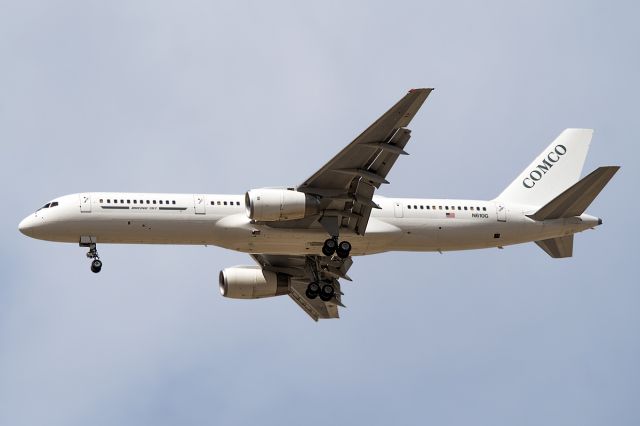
315, 308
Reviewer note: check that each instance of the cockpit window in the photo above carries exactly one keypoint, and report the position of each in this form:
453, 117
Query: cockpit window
55, 203
46, 206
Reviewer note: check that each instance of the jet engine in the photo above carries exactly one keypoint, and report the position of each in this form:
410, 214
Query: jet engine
252, 282
269, 205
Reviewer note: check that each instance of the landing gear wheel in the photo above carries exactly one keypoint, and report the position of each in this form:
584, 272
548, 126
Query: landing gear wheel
327, 292
329, 247
313, 289
96, 266
343, 249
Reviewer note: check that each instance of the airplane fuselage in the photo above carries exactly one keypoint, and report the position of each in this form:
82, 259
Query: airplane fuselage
401, 224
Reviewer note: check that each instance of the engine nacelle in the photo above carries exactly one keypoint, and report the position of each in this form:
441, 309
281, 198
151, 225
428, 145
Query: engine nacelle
252, 282
269, 205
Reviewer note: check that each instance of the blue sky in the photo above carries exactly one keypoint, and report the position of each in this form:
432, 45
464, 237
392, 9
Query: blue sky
205, 97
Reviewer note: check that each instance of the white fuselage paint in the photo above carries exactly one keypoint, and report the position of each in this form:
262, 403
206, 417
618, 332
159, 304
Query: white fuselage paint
200, 220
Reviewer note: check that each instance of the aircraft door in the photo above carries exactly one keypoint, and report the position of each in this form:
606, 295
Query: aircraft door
199, 204
397, 209
501, 212
85, 203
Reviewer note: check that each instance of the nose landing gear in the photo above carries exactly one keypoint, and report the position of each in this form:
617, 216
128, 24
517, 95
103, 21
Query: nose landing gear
96, 263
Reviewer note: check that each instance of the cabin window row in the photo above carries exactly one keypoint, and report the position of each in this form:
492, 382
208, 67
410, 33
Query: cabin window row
225, 203
122, 201
423, 207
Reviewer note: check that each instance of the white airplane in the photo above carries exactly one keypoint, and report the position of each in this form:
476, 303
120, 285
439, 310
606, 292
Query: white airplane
303, 238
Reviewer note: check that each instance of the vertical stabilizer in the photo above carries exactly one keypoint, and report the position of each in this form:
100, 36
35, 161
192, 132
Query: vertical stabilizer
557, 168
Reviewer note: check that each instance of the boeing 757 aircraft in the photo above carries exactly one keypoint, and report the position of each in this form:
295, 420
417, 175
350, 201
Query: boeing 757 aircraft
303, 237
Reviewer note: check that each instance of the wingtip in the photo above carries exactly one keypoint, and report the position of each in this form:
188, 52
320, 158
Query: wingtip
422, 89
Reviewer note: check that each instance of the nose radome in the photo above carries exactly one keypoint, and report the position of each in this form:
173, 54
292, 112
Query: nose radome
25, 225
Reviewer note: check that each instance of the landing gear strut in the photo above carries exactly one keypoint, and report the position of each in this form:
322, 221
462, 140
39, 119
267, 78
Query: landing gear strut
96, 263
318, 286
331, 246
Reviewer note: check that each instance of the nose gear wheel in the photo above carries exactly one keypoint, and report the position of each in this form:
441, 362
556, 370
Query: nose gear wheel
96, 263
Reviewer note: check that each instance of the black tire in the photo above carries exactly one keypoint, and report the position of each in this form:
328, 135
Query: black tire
327, 292
313, 289
329, 247
343, 250
96, 266
345, 246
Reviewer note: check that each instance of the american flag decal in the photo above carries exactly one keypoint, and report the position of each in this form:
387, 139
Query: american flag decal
451, 215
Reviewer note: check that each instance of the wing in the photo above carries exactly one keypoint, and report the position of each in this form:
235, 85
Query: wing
347, 182
303, 270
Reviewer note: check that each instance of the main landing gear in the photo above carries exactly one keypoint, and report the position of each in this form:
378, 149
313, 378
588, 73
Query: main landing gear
332, 246
324, 290
96, 263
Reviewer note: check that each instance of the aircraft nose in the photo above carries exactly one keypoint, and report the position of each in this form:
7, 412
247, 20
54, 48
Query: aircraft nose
27, 225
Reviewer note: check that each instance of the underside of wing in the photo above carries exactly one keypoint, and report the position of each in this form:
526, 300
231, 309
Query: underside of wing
303, 270
346, 184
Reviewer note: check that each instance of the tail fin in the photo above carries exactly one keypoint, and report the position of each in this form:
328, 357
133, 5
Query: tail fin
554, 170
575, 200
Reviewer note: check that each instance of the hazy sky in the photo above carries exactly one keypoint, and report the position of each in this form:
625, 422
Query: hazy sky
198, 97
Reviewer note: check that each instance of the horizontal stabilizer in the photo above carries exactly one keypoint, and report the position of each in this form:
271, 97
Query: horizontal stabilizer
557, 247
575, 200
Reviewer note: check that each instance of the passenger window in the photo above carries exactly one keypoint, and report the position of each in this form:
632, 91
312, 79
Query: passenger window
174, 201
108, 201
154, 201
101, 200
128, 201
427, 207
446, 207
237, 203
484, 209
439, 207
465, 207
459, 208
218, 202
148, 202
421, 207
212, 203
409, 207
471, 208
225, 203
115, 201
160, 201
478, 208
166, 201
121, 201
135, 201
